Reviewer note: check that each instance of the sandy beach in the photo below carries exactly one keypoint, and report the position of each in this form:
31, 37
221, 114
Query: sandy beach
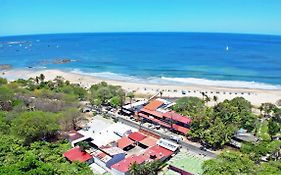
255, 96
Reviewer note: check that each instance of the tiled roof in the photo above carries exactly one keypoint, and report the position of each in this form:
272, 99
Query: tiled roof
149, 141
75, 154
177, 117
136, 136
153, 105
156, 152
155, 120
154, 113
181, 129
124, 142
124, 165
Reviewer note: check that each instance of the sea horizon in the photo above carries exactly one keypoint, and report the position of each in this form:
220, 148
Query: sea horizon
215, 59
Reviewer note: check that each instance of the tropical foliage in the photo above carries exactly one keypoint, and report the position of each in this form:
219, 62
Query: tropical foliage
216, 125
32, 115
103, 93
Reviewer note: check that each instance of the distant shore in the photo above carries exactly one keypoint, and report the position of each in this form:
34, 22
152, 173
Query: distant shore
255, 96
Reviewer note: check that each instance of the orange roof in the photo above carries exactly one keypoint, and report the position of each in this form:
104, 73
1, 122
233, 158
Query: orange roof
180, 128
136, 136
154, 113
153, 105
124, 142
149, 141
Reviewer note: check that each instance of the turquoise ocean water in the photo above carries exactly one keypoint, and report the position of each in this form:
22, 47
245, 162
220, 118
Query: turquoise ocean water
235, 60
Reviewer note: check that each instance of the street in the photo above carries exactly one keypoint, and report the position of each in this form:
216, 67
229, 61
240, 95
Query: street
188, 146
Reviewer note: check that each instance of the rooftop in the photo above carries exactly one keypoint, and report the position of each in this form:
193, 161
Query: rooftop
177, 117
110, 134
75, 154
188, 162
156, 152
136, 136
153, 105
149, 141
113, 151
181, 129
124, 142
135, 105
124, 165
151, 112
168, 144
74, 135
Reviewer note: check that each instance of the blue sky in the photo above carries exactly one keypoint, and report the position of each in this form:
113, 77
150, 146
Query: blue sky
19, 17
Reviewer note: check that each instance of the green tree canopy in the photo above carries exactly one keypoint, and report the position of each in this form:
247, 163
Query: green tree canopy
229, 162
192, 106
37, 125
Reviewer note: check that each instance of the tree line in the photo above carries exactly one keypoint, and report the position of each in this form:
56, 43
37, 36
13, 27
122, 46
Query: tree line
215, 126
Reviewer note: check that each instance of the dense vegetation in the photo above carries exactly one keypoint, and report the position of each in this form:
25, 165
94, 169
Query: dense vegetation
215, 127
105, 94
33, 114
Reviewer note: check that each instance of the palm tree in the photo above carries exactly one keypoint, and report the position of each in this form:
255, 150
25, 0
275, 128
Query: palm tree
207, 99
83, 146
161, 93
215, 98
131, 95
278, 103
203, 94
42, 77
37, 80
134, 169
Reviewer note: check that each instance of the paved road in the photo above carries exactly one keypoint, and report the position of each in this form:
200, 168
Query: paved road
188, 146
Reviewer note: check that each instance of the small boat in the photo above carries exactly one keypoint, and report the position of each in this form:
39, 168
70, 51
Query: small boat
226, 48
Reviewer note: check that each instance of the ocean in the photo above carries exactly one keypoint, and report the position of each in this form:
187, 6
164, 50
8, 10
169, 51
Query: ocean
232, 60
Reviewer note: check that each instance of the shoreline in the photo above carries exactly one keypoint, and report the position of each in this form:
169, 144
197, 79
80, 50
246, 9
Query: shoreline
254, 95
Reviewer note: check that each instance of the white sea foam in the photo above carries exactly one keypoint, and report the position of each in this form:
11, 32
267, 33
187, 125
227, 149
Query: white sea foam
223, 83
179, 81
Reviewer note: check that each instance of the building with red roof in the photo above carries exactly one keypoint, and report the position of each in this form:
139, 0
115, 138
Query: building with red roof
153, 105
180, 129
75, 154
155, 112
122, 167
148, 142
125, 143
177, 117
136, 136
106, 157
157, 152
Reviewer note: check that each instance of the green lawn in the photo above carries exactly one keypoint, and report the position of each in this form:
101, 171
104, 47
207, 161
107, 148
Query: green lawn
188, 162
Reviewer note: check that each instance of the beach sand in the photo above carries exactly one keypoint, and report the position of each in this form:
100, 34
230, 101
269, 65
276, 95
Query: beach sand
255, 96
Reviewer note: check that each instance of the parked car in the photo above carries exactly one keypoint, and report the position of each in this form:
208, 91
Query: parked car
203, 148
175, 138
157, 127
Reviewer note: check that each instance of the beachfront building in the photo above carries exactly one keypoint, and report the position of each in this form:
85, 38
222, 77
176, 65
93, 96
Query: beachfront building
131, 108
158, 112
